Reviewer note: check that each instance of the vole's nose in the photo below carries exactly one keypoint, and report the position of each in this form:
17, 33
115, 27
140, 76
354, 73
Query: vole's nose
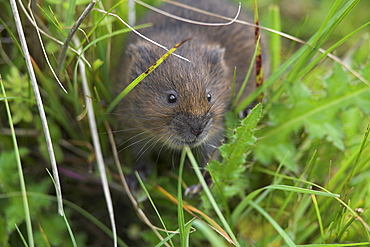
196, 131
198, 125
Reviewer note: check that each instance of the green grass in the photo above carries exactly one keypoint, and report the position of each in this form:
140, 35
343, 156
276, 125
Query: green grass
295, 172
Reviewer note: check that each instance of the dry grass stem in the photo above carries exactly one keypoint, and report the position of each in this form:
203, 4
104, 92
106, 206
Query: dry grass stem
40, 105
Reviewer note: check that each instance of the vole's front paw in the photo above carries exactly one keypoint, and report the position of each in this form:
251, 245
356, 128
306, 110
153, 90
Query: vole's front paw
193, 190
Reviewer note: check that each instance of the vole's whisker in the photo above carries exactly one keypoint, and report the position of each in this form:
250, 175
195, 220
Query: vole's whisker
133, 137
162, 146
146, 147
132, 144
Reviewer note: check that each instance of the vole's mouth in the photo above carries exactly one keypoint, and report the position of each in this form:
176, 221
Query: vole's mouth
180, 143
194, 143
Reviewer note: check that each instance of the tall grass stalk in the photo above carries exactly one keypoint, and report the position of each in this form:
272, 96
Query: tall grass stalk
314, 200
153, 205
211, 235
180, 210
316, 60
247, 76
210, 197
44, 52
71, 33
68, 204
289, 197
277, 227
26, 208
275, 39
21, 236
334, 18
96, 144
40, 106
65, 218
135, 204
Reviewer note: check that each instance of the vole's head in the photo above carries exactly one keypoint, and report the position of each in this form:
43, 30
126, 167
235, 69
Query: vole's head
180, 103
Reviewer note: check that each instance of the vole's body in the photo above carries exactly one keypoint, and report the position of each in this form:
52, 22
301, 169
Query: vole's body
183, 103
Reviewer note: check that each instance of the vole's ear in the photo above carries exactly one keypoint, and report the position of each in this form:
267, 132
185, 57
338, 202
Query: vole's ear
214, 56
140, 51
135, 49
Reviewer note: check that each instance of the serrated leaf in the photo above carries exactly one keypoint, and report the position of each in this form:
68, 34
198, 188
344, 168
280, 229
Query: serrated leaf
234, 152
229, 172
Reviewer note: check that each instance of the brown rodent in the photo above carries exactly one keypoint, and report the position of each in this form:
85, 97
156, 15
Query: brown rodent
183, 103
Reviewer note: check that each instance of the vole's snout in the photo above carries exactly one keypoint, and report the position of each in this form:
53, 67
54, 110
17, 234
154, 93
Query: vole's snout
197, 125
190, 129
196, 131
197, 128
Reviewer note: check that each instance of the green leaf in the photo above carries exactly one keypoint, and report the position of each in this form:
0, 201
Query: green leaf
318, 117
12, 209
230, 172
9, 180
3, 233
17, 88
97, 64
234, 152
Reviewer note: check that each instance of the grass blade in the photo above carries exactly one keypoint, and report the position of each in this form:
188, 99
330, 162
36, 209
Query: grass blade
72, 32
277, 227
27, 215
180, 210
97, 146
210, 234
196, 213
21, 236
275, 39
209, 196
142, 76
153, 204
314, 200
39, 103
65, 219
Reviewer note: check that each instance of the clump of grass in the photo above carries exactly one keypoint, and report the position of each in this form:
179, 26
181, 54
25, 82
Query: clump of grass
293, 173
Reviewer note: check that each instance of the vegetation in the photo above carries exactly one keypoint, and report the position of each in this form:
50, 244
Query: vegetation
294, 172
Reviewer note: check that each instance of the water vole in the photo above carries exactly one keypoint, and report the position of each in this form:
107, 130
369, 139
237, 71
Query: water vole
183, 103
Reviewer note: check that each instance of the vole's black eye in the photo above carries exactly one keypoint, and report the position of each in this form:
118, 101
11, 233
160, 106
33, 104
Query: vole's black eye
171, 98
209, 97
